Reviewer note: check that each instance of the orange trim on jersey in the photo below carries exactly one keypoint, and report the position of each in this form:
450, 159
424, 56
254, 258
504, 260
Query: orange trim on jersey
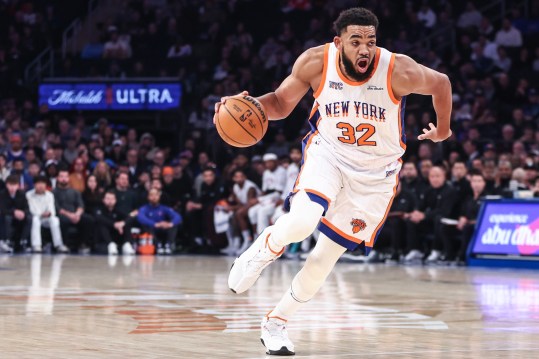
403, 145
389, 74
318, 194
304, 160
370, 243
339, 232
313, 111
354, 83
324, 72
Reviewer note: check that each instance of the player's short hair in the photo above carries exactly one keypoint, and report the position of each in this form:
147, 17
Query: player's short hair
355, 16
41, 179
12, 179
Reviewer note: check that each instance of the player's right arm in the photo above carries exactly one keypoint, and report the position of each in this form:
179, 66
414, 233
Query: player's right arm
306, 73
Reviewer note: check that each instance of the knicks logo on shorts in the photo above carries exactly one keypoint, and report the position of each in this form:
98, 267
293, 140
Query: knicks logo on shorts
358, 225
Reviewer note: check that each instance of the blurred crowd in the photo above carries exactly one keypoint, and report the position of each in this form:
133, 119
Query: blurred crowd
224, 196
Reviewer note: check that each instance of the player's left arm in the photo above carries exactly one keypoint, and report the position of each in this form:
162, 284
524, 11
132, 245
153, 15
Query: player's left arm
410, 77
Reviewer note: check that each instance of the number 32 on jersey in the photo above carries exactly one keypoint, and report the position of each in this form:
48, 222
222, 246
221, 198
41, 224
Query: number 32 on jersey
364, 130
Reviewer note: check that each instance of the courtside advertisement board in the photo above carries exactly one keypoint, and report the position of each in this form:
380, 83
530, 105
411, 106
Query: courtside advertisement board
120, 96
506, 234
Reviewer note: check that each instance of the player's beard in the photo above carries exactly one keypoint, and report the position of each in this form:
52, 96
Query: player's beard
351, 70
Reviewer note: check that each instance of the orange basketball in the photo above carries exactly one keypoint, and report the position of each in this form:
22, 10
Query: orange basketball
241, 121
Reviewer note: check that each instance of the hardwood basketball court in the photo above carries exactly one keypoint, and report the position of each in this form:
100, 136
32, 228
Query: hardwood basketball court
180, 307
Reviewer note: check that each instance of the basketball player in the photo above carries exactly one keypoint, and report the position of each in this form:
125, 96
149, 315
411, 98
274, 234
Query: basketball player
351, 157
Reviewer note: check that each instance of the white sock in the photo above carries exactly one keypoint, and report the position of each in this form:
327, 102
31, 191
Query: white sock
310, 278
246, 235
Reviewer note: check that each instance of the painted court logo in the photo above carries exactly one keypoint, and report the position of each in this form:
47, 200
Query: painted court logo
358, 225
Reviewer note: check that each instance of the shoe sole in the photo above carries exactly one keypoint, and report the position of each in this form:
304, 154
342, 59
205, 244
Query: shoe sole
281, 352
233, 291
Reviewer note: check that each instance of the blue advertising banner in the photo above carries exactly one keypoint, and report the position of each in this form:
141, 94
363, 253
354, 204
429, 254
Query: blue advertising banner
506, 230
110, 96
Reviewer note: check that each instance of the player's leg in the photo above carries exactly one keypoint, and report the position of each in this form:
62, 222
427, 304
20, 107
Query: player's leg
292, 227
318, 184
305, 285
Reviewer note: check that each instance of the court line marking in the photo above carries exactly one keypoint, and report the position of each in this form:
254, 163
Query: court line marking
410, 352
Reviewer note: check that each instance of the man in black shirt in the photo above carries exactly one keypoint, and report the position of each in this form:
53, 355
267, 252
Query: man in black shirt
70, 209
470, 210
411, 181
14, 219
199, 210
397, 227
438, 203
110, 227
127, 203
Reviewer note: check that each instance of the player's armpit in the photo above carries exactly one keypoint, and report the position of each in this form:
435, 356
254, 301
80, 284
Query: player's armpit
307, 70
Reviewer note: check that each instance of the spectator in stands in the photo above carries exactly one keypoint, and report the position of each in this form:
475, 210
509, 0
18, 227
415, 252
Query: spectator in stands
110, 225
17, 168
437, 203
470, 211
15, 151
42, 208
508, 35
161, 221
117, 47
397, 227
102, 174
70, 209
279, 146
127, 202
292, 172
51, 171
15, 221
243, 197
92, 195
471, 17
199, 210
273, 182
175, 189
411, 181
134, 165
77, 175
4, 170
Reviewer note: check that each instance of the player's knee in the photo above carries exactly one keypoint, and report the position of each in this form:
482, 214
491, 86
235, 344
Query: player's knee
302, 226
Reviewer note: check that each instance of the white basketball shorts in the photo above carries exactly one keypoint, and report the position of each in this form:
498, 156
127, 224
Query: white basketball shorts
356, 201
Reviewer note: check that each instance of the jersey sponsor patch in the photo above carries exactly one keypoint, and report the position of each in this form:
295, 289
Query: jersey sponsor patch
336, 85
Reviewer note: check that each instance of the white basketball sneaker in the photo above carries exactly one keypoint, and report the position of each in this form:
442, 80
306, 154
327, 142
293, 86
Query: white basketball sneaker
128, 250
248, 267
275, 337
112, 249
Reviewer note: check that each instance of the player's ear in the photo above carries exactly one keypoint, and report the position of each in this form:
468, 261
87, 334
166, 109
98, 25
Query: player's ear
338, 42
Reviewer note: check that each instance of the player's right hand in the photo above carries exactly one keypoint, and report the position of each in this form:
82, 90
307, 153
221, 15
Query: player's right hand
223, 100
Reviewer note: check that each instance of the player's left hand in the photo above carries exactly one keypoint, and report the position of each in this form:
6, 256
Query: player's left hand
432, 134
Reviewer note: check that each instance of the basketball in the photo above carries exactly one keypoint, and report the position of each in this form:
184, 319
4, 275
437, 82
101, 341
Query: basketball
241, 121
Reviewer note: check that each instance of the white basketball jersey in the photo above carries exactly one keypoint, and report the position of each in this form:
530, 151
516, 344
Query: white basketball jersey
242, 192
362, 122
